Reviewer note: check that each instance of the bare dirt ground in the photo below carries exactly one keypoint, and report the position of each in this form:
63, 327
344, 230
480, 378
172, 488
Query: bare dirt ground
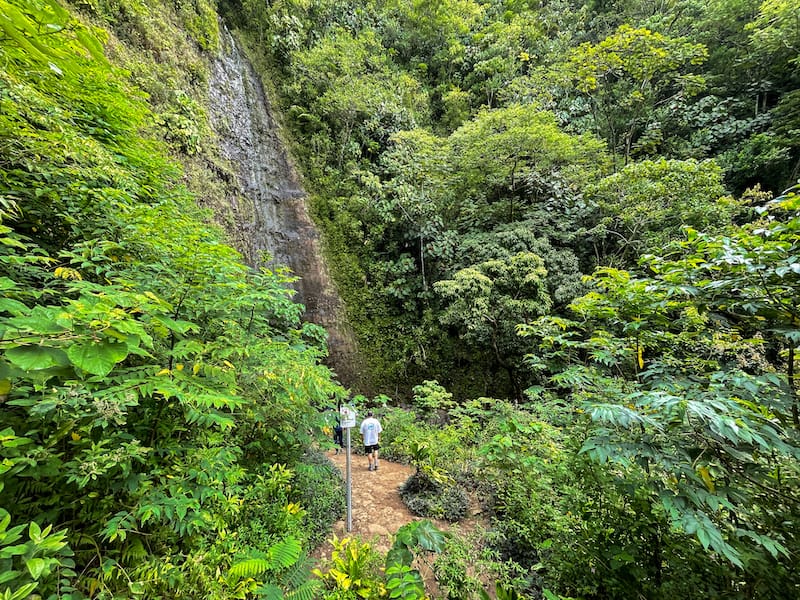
378, 511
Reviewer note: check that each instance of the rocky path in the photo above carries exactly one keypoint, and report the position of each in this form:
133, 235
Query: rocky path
378, 511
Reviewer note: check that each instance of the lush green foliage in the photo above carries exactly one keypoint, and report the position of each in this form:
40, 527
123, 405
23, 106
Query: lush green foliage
675, 479
553, 208
586, 134
645, 205
152, 387
320, 491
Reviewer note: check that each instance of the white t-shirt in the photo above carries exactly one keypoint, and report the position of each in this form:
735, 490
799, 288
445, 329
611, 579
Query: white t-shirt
370, 428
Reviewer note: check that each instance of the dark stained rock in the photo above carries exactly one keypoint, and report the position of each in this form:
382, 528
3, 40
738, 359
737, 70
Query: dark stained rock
271, 224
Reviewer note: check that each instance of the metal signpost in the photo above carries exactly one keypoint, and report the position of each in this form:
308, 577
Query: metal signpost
348, 421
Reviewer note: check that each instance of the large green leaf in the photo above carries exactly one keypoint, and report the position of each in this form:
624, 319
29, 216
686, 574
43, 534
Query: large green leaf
11, 306
429, 537
36, 566
270, 591
252, 567
97, 358
399, 555
41, 320
34, 358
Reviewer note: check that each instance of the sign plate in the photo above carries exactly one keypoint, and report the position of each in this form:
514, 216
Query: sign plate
348, 416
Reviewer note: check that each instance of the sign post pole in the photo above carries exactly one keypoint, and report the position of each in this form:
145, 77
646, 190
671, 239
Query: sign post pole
349, 487
348, 421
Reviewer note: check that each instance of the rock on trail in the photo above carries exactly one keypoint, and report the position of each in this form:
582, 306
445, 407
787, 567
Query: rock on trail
378, 511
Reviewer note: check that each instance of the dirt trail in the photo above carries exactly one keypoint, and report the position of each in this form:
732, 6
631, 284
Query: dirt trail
378, 511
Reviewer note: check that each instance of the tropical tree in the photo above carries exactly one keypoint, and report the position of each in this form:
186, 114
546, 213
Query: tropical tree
683, 399
354, 103
514, 160
627, 77
749, 278
645, 205
487, 300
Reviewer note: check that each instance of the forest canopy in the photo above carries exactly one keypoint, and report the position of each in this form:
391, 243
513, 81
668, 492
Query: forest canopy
566, 234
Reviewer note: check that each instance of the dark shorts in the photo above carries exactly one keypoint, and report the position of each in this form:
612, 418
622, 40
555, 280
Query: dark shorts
373, 448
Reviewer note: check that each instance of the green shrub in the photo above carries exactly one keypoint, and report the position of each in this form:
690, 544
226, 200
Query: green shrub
403, 430
354, 571
31, 557
431, 399
426, 497
269, 513
468, 563
319, 488
400, 427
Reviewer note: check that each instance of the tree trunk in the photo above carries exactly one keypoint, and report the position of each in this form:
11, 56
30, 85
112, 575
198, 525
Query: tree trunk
793, 389
656, 560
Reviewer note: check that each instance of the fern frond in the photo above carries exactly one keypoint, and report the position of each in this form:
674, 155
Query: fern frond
307, 591
298, 574
252, 567
270, 591
285, 553
134, 552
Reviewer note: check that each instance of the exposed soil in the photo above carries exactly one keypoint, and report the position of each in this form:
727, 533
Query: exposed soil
378, 512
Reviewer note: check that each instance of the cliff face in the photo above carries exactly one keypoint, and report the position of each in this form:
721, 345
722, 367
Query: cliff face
271, 225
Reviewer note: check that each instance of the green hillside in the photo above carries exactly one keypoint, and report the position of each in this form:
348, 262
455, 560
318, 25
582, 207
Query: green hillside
567, 240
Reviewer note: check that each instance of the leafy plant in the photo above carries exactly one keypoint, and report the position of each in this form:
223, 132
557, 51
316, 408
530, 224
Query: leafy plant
41, 562
429, 493
281, 572
430, 398
468, 561
133, 341
319, 488
354, 567
403, 581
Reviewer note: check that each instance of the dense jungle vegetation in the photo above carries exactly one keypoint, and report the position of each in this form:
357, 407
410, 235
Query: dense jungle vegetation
568, 242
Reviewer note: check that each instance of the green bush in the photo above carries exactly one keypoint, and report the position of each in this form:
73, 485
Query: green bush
403, 430
400, 427
431, 399
353, 571
320, 490
268, 513
426, 497
469, 562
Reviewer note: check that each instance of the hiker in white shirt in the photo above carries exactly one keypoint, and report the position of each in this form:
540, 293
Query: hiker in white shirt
371, 431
